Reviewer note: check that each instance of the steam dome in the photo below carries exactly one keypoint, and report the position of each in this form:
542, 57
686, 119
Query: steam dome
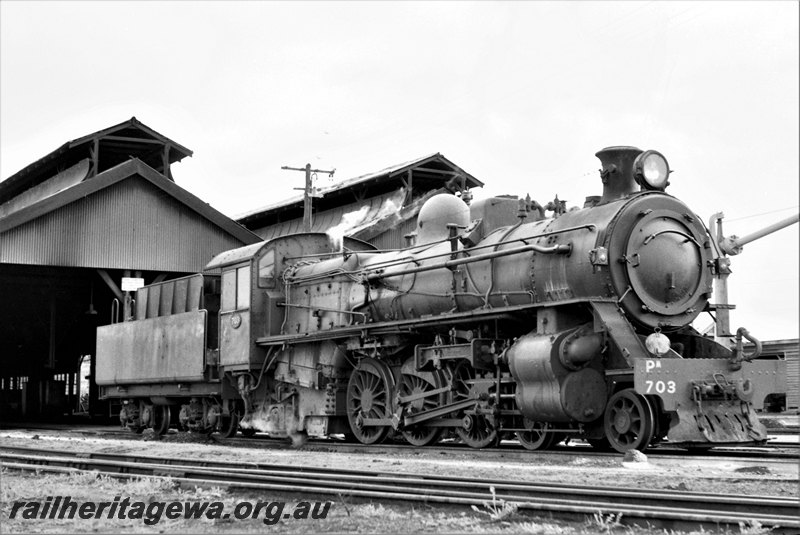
438, 212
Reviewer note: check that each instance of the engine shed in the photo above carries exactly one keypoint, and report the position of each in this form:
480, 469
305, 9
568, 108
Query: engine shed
80, 229
380, 207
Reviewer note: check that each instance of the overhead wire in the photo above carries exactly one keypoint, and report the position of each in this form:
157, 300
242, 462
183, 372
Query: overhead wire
777, 210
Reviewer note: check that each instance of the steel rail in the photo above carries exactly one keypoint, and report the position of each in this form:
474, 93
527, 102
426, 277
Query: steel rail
636, 503
508, 450
516, 451
351, 474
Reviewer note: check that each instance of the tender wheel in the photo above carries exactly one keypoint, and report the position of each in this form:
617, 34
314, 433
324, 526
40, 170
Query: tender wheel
146, 417
414, 382
538, 436
162, 415
476, 432
369, 395
155, 417
130, 417
250, 432
629, 421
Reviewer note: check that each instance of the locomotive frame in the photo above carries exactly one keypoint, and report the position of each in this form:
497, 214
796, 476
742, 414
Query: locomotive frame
497, 321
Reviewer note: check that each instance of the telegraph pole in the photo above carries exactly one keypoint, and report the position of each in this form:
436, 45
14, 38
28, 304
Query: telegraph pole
307, 191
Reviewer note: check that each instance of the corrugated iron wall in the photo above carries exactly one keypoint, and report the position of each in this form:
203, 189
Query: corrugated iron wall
792, 382
132, 225
792, 377
394, 238
789, 350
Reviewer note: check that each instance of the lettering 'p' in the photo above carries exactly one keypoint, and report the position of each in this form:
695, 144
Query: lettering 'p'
649, 365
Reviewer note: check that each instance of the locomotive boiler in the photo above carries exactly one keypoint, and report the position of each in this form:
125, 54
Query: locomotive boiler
496, 321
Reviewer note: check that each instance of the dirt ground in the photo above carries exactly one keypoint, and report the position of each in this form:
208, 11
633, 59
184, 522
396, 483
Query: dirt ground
346, 514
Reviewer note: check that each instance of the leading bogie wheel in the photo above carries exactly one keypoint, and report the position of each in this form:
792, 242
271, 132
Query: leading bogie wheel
660, 422
629, 422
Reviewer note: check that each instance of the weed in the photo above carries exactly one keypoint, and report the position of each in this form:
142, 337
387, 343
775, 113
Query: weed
371, 510
149, 486
605, 523
344, 501
753, 527
497, 510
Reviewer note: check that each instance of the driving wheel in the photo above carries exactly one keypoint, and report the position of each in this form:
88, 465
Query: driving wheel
369, 397
415, 382
476, 431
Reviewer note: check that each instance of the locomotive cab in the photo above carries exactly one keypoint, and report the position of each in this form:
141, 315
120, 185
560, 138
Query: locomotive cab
244, 312
252, 304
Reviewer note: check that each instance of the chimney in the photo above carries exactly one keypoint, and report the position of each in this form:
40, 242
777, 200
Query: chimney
617, 172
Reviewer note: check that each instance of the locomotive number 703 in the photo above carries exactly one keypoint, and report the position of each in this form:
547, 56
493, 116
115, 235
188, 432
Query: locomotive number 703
660, 387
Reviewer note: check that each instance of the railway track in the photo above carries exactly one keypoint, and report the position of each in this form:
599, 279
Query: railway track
512, 450
637, 506
789, 451
784, 451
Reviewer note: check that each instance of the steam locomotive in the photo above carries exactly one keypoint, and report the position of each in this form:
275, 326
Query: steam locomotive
497, 321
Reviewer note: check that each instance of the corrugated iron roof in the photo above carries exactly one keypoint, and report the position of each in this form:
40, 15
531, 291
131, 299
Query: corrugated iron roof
360, 213
432, 171
119, 142
133, 167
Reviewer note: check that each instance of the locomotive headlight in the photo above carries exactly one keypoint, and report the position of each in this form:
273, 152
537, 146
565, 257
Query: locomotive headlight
657, 343
651, 170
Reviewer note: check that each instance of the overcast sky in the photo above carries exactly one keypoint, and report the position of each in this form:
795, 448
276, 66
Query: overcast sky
519, 94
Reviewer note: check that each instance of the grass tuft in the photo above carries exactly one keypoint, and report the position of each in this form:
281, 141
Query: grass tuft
753, 527
497, 510
605, 523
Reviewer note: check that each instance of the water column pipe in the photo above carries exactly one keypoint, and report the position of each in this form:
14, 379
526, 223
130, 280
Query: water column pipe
731, 246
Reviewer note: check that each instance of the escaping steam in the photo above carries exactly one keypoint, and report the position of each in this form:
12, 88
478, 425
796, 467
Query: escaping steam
357, 220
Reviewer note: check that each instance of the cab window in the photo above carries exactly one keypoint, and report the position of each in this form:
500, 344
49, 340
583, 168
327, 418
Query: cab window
243, 287
236, 288
266, 270
228, 290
